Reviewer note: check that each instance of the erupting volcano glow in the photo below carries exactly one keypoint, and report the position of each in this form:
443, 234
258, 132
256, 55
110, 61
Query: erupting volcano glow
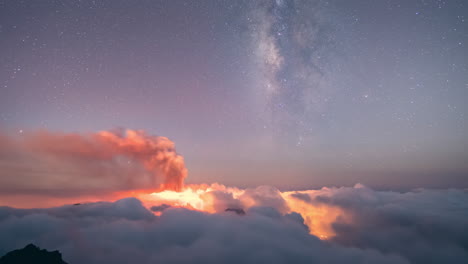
111, 165
216, 198
106, 105
186, 198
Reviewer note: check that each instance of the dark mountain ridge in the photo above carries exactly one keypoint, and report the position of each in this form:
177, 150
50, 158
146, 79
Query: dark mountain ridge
31, 254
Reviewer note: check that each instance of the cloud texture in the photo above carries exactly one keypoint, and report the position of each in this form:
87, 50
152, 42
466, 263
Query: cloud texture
169, 222
71, 164
422, 226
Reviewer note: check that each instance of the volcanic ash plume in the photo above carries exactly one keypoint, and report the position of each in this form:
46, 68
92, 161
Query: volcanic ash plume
157, 154
71, 164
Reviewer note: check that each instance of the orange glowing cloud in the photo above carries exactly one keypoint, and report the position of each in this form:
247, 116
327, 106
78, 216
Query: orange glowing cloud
57, 164
44, 169
216, 198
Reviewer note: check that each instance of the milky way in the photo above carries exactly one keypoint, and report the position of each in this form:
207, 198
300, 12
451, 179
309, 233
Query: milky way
307, 131
327, 92
291, 41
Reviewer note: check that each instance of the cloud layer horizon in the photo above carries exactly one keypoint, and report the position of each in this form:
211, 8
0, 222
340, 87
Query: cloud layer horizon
422, 226
168, 221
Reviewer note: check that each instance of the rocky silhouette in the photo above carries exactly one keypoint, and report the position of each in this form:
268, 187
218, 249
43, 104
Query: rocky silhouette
238, 211
31, 254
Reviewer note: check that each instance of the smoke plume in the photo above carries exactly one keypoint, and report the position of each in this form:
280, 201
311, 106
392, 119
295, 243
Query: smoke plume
71, 164
167, 222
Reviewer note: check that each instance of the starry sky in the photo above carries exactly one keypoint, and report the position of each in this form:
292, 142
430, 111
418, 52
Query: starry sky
296, 94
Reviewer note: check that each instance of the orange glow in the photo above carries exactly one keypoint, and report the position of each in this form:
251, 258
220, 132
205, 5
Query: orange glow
111, 165
318, 217
188, 198
156, 153
214, 198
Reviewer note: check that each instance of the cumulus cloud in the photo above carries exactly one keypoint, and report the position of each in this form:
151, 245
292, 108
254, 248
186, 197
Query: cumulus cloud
421, 226
121, 232
208, 223
71, 164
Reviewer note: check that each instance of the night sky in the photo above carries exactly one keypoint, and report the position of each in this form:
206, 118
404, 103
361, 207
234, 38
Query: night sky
295, 94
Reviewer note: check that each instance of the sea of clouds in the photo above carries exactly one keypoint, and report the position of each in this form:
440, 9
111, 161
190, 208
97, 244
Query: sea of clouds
421, 226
